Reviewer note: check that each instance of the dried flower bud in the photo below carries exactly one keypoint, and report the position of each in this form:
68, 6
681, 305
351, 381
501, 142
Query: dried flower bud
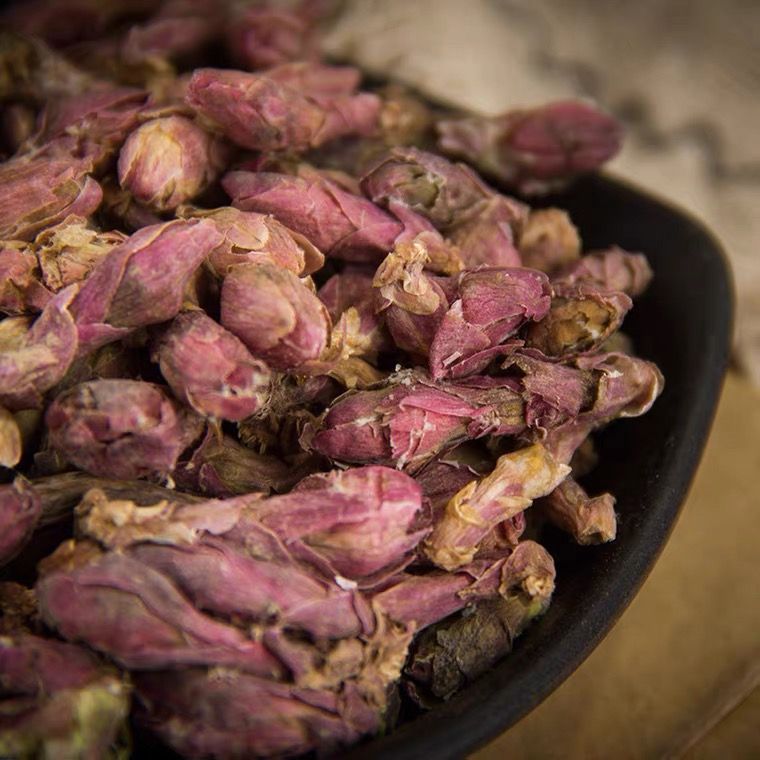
445, 193
473, 512
120, 209
610, 269
168, 37
21, 289
58, 700
10, 440
317, 79
257, 112
488, 237
36, 353
549, 240
274, 314
120, 428
492, 305
453, 653
142, 281
340, 224
221, 467
535, 150
257, 238
405, 118
262, 37
20, 509
40, 190
588, 520
136, 615
411, 420
210, 369
69, 251
581, 318
19, 605
169, 161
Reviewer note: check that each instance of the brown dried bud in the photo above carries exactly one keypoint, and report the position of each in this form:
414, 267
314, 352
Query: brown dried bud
21, 288
549, 240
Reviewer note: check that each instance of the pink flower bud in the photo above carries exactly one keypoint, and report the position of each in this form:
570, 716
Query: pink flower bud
277, 317
257, 112
168, 161
610, 269
20, 509
339, 223
36, 353
535, 150
210, 369
142, 281
120, 428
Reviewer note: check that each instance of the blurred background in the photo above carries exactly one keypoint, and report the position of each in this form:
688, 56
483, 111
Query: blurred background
679, 674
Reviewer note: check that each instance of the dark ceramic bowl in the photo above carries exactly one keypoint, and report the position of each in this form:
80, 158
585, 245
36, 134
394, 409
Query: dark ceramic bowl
683, 323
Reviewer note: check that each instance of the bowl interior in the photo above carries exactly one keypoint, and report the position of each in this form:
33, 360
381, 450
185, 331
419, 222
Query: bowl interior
683, 323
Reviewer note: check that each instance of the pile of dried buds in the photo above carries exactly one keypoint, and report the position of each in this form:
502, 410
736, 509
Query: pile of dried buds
282, 378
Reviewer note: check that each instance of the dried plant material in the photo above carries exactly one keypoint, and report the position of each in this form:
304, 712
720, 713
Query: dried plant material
535, 150
517, 479
21, 288
20, 509
19, 605
609, 269
121, 428
549, 240
10, 440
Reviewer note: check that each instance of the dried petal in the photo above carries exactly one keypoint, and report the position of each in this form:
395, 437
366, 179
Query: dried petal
10, 440
609, 269
588, 520
169, 161
517, 479
121, 428
20, 509
535, 150
339, 223
549, 240
21, 289
274, 314
210, 369
35, 354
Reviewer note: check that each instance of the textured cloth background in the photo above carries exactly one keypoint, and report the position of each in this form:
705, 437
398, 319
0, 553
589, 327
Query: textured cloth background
678, 676
682, 74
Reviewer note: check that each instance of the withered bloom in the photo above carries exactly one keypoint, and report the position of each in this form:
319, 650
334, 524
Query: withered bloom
121, 428
492, 305
169, 161
142, 281
610, 269
517, 479
20, 509
581, 318
535, 150
277, 317
257, 112
342, 225
210, 369
588, 520
549, 240
21, 287
58, 700
35, 353
256, 238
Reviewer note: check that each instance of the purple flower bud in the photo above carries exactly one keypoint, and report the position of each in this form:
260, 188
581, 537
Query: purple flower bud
121, 428
221, 467
21, 289
142, 281
339, 223
492, 305
169, 161
121, 607
36, 353
549, 240
517, 479
57, 700
210, 369
535, 150
588, 520
41, 190
581, 318
20, 509
445, 193
262, 37
257, 112
69, 251
610, 269
257, 238
274, 314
